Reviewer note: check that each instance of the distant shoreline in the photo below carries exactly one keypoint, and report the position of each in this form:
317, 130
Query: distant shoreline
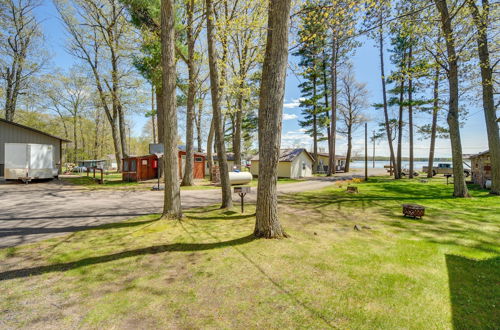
405, 159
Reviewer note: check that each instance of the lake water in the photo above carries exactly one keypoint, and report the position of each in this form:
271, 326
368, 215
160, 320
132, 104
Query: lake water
380, 164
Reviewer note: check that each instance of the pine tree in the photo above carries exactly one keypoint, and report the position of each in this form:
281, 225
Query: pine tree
313, 61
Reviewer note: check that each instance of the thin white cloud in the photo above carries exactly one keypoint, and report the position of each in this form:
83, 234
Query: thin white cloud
294, 104
289, 116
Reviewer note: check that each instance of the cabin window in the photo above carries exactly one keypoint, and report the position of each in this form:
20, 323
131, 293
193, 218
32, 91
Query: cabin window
133, 166
198, 159
144, 162
304, 165
125, 166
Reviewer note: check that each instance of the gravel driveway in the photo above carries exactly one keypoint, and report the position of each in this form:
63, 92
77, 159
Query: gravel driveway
38, 211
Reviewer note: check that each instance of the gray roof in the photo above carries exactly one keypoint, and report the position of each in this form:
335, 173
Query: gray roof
288, 155
480, 154
33, 130
229, 155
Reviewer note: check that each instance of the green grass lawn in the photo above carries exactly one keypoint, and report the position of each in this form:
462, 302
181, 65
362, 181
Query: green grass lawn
207, 271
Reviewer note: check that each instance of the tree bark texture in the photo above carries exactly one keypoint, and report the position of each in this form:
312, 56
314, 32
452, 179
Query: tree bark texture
187, 179
172, 197
332, 168
435, 111
272, 90
384, 96
410, 109
460, 188
227, 200
210, 148
481, 22
198, 127
398, 166
160, 122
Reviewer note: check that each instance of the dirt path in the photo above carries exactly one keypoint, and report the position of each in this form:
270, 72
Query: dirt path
38, 211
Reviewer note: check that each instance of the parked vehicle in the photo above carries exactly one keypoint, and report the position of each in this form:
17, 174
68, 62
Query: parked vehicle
79, 169
27, 161
444, 168
406, 171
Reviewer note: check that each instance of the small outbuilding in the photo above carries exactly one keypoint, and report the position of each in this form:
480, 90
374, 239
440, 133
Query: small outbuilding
11, 132
324, 159
481, 168
142, 168
198, 165
230, 161
293, 164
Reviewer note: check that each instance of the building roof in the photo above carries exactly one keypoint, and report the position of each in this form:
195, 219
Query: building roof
33, 130
325, 154
229, 155
480, 154
288, 155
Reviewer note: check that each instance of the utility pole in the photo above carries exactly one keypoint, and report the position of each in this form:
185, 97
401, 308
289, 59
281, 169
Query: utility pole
373, 158
366, 151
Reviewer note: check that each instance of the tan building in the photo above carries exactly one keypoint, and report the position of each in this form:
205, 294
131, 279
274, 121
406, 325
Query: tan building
293, 164
481, 168
323, 159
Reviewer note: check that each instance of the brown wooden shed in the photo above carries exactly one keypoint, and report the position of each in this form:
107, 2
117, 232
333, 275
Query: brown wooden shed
199, 164
140, 168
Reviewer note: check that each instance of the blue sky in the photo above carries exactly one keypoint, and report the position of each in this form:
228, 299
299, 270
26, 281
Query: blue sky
366, 65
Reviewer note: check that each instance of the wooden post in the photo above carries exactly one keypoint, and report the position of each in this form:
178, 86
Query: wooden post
366, 151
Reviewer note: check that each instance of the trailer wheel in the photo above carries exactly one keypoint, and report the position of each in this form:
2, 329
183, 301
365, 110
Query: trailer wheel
467, 173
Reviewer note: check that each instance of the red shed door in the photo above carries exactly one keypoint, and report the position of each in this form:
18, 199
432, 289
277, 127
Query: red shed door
199, 168
143, 171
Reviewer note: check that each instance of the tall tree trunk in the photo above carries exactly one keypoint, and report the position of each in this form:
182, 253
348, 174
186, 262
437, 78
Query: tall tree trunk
327, 104
349, 149
435, 111
272, 92
123, 129
172, 197
116, 143
332, 163
315, 130
210, 148
153, 111
481, 22
187, 179
237, 132
384, 96
96, 134
400, 130
160, 122
227, 200
460, 188
410, 109
75, 141
198, 128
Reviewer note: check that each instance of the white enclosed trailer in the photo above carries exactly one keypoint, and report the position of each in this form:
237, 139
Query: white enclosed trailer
28, 161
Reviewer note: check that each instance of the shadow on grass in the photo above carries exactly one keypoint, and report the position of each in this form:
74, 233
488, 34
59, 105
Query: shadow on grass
474, 292
23, 231
182, 247
222, 218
